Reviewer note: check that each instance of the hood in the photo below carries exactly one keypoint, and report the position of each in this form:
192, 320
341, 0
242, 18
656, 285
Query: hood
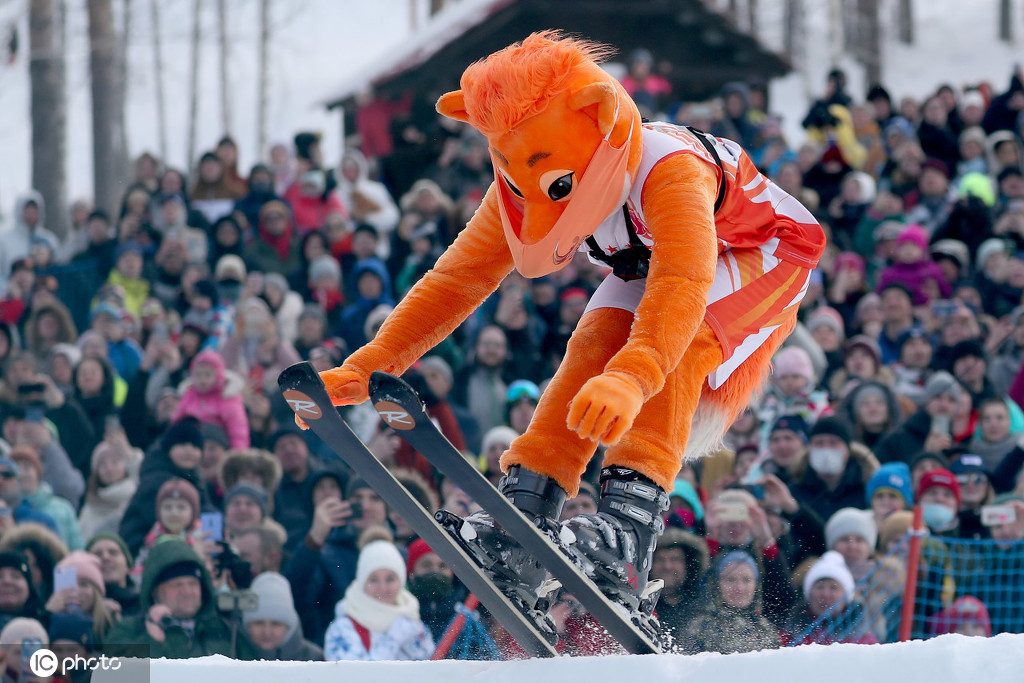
846, 408
376, 266
695, 550
356, 157
164, 555
213, 359
19, 206
313, 479
860, 455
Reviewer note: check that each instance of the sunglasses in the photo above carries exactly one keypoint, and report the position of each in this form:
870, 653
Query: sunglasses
971, 479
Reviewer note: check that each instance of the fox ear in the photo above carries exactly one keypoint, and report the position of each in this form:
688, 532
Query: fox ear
604, 96
453, 105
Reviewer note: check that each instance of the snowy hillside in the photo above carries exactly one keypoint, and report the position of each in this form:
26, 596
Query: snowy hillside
948, 659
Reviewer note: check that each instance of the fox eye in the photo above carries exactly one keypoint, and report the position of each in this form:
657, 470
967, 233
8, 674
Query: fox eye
558, 184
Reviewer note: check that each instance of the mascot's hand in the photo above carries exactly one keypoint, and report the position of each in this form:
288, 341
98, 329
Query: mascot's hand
605, 408
344, 386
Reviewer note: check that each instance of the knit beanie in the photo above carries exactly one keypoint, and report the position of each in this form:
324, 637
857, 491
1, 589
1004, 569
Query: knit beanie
354, 485
275, 602
111, 536
325, 266
940, 477
498, 435
830, 566
941, 382
893, 476
991, 246
185, 430
179, 488
826, 315
73, 626
865, 342
976, 183
793, 360
379, 555
22, 628
87, 566
794, 423
868, 390
851, 522
415, 551
954, 249
685, 490
832, 426
738, 557
243, 488
27, 456
916, 234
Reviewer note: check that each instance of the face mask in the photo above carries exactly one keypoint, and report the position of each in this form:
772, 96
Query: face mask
312, 183
432, 587
936, 515
828, 461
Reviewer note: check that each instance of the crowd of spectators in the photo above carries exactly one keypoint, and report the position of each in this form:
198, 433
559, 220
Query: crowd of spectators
147, 453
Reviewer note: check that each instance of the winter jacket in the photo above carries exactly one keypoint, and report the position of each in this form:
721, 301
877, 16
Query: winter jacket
16, 242
810, 490
212, 634
371, 193
311, 212
846, 625
221, 406
724, 629
61, 512
353, 316
405, 640
104, 508
913, 276
295, 648
907, 441
63, 477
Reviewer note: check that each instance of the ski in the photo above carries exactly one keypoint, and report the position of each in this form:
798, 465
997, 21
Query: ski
401, 408
304, 391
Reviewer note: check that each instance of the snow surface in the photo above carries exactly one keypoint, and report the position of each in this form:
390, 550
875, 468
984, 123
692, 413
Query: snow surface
948, 659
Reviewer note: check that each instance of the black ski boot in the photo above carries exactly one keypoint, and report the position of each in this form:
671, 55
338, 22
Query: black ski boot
512, 569
615, 546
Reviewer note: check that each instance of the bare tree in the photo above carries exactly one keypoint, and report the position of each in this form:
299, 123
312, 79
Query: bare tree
869, 39
121, 93
752, 17
1006, 20
193, 108
49, 109
107, 164
225, 100
158, 66
793, 38
905, 21
261, 111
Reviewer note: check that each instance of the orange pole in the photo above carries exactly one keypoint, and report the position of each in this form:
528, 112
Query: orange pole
910, 589
454, 629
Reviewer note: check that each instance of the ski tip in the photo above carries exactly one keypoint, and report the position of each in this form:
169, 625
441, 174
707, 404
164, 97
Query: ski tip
381, 381
295, 374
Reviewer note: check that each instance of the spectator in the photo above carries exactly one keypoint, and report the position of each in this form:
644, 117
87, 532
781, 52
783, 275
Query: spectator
872, 411
177, 516
939, 496
378, 619
829, 612
213, 193
245, 506
29, 221
791, 390
19, 596
994, 438
889, 491
38, 495
680, 560
862, 362
837, 471
976, 491
115, 565
179, 617
967, 616
261, 547
87, 597
920, 275
273, 627
209, 398
272, 249
12, 637
930, 428
112, 483
291, 498
369, 201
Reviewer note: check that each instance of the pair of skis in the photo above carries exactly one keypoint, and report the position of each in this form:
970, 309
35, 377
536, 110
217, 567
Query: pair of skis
401, 408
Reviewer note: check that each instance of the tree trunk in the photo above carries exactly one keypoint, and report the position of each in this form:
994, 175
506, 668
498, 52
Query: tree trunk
49, 111
121, 97
905, 21
193, 107
261, 112
752, 17
793, 39
870, 40
1006, 21
103, 73
225, 87
158, 66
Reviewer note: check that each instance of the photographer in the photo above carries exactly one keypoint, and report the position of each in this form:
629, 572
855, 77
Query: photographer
179, 616
324, 564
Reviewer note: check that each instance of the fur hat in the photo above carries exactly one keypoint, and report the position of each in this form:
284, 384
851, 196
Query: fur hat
830, 566
851, 522
250, 460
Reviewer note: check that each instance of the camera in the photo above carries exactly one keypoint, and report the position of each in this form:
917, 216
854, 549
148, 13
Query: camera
357, 510
229, 561
630, 264
238, 601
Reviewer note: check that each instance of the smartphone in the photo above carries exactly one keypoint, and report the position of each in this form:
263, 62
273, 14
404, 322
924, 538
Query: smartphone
29, 648
112, 423
34, 388
64, 577
994, 515
34, 414
212, 524
941, 424
733, 512
357, 510
756, 490
161, 332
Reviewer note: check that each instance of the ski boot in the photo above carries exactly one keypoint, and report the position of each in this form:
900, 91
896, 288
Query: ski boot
615, 546
512, 569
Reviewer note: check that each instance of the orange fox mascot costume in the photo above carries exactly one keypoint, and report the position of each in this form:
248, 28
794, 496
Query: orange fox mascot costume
671, 349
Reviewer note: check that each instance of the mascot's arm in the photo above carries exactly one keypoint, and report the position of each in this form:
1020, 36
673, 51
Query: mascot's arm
678, 203
466, 274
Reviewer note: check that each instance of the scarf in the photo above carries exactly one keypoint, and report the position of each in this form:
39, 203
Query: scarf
376, 615
992, 453
282, 244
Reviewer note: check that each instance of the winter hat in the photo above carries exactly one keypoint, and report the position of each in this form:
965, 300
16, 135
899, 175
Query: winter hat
895, 526
15, 560
851, 522
277, 281
792, 360
935, 165
737, 557
520, 389
987, 249
735, 496
87, 566
965, 610
102, 452
230, 267
379, 555
867, 343
972, 98
214, 433
69, 351
941, 382
354, 485
927, 455
868, 390
498, 435
888, 230
830, 566
22, 628
415, 551
833, 426
185, 430
793, 423
866, 184
851, 260
940, 477
826, 315
954, 249
967, 463
313, 311
179, 569
375, 319
916, 234
73, 626
978, 184
27, 456
246, 489
967, 348
111, 536
325, 266
275, 602
893, 476
899, 125
439, 364
181, 489
685, 490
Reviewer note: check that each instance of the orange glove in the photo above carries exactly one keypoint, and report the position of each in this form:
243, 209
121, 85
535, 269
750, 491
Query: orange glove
604, 408
345, 387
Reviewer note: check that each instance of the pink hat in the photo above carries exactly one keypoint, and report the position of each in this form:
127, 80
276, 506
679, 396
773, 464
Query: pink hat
916, 234
87, 566
793, 360
826, 315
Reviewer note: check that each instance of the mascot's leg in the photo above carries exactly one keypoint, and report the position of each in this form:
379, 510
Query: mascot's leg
548, 460
618, 541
